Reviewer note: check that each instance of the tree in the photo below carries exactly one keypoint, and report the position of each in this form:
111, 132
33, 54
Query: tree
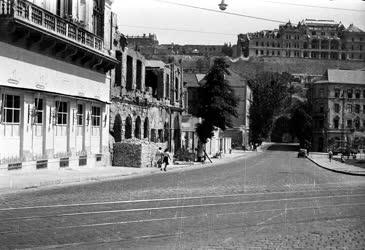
216, 102
301, 123
227, 50
270, 95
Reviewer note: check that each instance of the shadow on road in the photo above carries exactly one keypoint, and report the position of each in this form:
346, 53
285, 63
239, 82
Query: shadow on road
283, 147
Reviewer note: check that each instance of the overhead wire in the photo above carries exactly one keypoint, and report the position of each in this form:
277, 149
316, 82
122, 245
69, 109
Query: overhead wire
220, 12
312, 6
179, 30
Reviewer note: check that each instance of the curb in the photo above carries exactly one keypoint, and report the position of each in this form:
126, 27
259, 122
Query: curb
335, 170
90, 179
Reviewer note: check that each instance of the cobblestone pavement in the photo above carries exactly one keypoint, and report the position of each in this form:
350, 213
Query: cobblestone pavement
271, 201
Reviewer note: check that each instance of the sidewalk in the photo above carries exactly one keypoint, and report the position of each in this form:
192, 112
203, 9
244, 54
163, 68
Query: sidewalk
321, 159
12, 181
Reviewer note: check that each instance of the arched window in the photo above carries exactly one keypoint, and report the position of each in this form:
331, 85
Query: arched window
357, 122
137, 128
117, 128
146, 128
336, 122
128, 128
166, 132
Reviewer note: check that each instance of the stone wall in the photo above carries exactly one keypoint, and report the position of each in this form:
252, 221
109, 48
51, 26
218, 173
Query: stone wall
137, 154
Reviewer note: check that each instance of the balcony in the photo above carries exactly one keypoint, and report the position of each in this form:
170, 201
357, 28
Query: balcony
26, 21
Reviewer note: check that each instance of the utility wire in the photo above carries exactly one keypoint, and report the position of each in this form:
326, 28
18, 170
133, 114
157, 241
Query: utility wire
312, 6
217, 11
180, 30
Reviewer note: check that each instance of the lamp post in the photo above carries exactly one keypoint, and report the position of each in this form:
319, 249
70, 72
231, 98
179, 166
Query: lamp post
223, 5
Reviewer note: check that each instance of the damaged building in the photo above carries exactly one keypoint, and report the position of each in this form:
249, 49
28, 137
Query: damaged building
147, 104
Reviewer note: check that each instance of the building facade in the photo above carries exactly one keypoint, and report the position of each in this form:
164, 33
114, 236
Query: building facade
54, 83
147, 105
315, 39
338, 108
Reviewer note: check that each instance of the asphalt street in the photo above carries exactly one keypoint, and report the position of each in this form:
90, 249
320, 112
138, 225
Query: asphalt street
272, 200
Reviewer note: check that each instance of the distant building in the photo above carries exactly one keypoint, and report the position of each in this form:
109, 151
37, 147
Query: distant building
338, 104
316, 39
148, 45
55, 83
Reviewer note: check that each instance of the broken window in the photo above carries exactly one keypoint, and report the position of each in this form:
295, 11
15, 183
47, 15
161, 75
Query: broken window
129, 80
151, 81
137, 129
167, 86
146, 128
139, 75
176, 89
128, 128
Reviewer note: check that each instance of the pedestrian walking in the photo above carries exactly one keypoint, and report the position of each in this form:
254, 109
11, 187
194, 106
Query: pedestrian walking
330, 154
159, 157
166, 158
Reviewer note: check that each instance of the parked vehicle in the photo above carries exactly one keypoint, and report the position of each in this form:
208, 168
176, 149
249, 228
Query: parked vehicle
302, 152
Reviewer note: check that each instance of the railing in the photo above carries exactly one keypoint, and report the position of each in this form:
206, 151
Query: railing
37, 16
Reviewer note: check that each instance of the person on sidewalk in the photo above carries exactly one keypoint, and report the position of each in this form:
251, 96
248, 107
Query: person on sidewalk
159, 157
330, 154
166, 158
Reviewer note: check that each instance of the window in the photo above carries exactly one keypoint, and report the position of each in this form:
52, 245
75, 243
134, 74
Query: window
357, 108
363, 109
257, 52
321, 108
349, 93
337, 107
336, 122
314, 33
11, 110
357, 94
257, 43
349, 108
349, 123
129, 78
278, 53
139, 75
363, 93
61, 109
38, 109
80, 115
321, 92
95, 116
357, 123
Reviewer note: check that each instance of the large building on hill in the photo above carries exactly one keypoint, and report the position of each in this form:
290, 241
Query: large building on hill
54, 83
338, 103
316, 39
148, 45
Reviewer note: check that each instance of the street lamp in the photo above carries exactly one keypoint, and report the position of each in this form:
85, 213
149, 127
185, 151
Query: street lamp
222, 5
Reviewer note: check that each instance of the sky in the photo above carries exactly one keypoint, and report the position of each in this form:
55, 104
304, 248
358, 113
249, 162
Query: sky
173, 23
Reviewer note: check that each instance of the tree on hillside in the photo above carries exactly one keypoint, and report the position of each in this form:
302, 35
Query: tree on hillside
301, 123
216, 103
270, 93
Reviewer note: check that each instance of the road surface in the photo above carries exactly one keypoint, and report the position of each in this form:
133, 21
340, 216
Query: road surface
270, 201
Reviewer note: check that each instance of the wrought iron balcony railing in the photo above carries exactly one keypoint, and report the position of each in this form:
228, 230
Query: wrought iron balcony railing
35, 15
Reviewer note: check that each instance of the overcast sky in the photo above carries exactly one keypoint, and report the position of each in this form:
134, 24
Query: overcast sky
164, 19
